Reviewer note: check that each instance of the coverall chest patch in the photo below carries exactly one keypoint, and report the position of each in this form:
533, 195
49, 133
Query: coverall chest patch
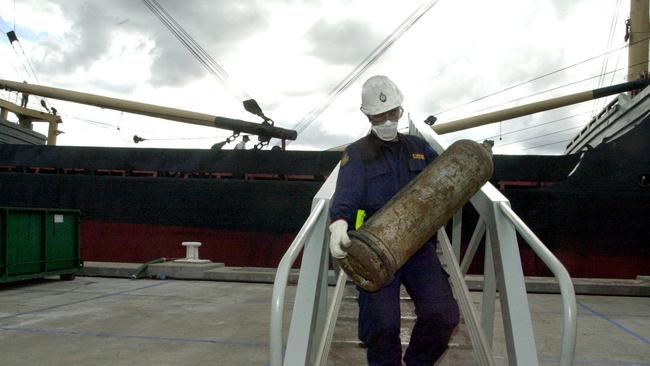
345, 159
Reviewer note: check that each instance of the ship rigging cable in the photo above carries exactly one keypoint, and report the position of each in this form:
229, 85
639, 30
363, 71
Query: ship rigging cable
534, 126
24, 61
365, 64
540, 136
547, 144
538, 77
605, 64
12, 64
610, 39
196, 50
555, 88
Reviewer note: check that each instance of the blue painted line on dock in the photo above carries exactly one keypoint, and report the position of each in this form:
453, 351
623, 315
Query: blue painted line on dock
619, 325
63, 292
82, 301
584, 361
127, 336
603, 362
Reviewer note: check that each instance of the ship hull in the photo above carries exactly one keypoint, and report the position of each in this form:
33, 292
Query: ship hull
245, 207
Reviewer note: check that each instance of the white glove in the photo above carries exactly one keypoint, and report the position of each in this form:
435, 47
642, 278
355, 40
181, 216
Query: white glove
339, 239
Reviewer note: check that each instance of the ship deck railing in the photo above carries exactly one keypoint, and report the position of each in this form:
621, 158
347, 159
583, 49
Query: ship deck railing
314, 316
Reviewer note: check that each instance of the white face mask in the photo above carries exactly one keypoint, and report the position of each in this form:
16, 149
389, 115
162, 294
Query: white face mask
386, 131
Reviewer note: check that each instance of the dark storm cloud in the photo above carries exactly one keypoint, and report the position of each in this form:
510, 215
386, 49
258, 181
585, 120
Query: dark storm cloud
216, 26
346, 42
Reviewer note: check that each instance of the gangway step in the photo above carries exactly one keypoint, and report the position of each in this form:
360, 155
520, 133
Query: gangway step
346, 349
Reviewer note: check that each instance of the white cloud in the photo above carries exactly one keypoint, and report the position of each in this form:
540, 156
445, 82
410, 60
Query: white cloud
290, 54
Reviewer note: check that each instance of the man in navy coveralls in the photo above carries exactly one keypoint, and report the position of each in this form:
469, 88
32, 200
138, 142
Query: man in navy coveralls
373, 169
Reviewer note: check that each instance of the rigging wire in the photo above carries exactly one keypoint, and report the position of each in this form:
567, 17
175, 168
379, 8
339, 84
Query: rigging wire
24, 60
12, 64
538, 78
28, 62
547, 144
11, 35
111, 126
605, 64
364, 65
22, 63
618, 58
540, 136
196, 50
610, 39
535, 126
558, 87
185, 138
105, 125
90, 121
554, 88
97, 124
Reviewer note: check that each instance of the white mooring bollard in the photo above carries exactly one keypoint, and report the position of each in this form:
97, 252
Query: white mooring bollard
192, 253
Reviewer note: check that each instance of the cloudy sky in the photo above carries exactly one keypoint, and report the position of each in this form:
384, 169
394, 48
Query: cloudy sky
290, 54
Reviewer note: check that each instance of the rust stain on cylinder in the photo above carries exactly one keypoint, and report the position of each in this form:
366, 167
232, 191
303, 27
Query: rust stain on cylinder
400, 228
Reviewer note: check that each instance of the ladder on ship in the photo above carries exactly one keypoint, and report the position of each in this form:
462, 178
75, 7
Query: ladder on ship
316, 308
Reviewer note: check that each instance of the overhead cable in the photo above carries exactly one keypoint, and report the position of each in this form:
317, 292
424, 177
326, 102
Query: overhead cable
540, 136
547, 144
183, 138
534, 126
554, 88
605, 64
365, 64
610, 39
196, 50
28, 62
538, 77
13, 38
24, 60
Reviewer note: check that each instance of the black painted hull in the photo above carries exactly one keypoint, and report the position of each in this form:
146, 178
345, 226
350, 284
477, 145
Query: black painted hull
246, 206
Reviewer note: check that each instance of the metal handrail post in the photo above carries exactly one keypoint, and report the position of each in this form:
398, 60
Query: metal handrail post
517, 322
320, 209
332, 316
474, 242
489, 292
309, 310
280, 283
520, 339
566, 286
481, 350
456, 231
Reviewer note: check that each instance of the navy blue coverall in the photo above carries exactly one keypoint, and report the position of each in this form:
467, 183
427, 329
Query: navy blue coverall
373, 171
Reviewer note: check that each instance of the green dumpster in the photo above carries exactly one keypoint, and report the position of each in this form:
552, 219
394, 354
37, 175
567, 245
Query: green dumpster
38, 242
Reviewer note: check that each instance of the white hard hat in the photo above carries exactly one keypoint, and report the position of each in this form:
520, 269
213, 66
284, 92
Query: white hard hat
379, 94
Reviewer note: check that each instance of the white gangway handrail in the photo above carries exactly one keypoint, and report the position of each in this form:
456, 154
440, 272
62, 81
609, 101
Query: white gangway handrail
569, 331
489, 196
281, 279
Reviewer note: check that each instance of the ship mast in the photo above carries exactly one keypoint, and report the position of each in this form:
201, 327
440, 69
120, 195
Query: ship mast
637, 34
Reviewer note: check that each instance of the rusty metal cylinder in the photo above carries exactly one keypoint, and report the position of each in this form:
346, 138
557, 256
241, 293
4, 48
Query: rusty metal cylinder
409, 219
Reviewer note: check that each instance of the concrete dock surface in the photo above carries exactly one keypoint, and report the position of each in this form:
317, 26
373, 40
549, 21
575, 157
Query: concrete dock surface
114, 321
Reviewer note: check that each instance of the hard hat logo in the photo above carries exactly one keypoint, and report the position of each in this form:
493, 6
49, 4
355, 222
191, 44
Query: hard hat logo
379, 94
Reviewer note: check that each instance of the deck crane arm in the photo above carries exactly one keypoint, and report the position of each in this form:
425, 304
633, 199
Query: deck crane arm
264, 130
